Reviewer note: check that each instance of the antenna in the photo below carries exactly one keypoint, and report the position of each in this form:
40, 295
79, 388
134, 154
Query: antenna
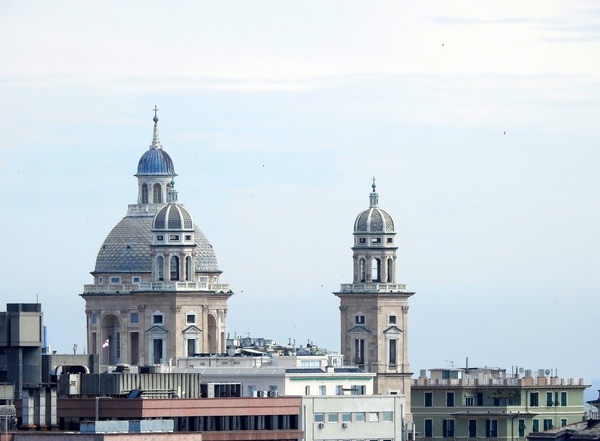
450, 363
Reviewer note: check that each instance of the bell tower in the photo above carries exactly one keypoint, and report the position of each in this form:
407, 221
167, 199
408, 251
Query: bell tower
374, 308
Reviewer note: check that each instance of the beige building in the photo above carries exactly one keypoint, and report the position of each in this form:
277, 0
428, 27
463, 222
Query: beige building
374, 308
156, 294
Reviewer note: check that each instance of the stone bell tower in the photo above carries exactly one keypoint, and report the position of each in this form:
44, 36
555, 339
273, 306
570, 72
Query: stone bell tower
374, 308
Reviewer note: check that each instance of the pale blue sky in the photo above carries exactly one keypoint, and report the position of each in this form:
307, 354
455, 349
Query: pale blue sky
277, 115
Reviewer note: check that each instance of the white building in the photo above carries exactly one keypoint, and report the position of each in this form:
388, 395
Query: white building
375, 417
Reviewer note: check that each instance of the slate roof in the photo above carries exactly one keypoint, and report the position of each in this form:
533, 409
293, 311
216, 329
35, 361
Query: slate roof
155, 162
374, 220
126, 249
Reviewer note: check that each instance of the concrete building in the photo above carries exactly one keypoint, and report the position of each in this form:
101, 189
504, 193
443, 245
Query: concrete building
361, 418
374, 307
472, 403
156, 294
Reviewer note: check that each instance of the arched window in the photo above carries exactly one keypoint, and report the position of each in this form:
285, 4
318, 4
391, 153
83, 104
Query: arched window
160, 266
390, 270
376, 270
157, 195
174, 268
188, 268
361, 269
144, 193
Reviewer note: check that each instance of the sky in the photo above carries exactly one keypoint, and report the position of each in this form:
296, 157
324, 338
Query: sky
479, 120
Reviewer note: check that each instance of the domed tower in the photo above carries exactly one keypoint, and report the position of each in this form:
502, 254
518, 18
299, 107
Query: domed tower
156, 294
374, 308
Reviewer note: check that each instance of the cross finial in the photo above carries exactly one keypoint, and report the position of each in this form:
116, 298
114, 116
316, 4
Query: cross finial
155, 119
373, 183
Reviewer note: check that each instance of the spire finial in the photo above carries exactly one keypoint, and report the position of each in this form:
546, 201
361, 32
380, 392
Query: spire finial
374, 197
155, 141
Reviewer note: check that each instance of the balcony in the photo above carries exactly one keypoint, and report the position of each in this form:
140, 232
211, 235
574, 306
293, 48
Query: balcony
219, 288
372, 287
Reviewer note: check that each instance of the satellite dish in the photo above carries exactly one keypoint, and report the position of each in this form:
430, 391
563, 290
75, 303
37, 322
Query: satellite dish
547, 371
521, 370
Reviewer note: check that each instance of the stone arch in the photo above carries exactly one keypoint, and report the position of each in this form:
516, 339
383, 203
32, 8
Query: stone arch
212, 337
110, 340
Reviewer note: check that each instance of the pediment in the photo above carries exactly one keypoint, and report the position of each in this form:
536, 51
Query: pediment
157, 329
393, 330
359, 329
192, 329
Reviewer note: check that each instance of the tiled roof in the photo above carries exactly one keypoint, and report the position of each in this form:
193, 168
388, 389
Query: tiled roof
127, 248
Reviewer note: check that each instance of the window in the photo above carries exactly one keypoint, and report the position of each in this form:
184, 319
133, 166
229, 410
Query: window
428, 399
563, 398
376, 270
361, 268
534, 399
392, 319
522, 428
469, 401
115, 280
491, 428
387, 416
144, 193
480, 398
392, 349
190, 318
390, 240
359, 417
359, 351
549, 400
100, 279
307, 390
173, 236
535, 426
160, 238
322, 390
449, 399
134, 318
359, 319
118, 354
357, 389
428, 428
548, 424
157, 319
374, 417
319, 417
563, 422
157, 194
362, 240
338, 390
188, 237
346, 417
94, 318
376, 240
332, 417
448, 428
472, 428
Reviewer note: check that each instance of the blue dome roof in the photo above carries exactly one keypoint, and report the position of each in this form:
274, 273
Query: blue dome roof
155, 162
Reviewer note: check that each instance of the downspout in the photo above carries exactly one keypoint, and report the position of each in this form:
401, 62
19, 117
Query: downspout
512, 427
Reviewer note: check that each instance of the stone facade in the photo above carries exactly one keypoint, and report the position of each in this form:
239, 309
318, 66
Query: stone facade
374, 308
156, 295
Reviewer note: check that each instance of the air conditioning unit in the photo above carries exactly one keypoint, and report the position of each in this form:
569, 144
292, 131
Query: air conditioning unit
321, 425
345, 425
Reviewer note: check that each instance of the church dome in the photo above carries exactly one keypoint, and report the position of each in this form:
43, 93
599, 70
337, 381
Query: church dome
374, 219
155, 162
126, 249
172, 217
